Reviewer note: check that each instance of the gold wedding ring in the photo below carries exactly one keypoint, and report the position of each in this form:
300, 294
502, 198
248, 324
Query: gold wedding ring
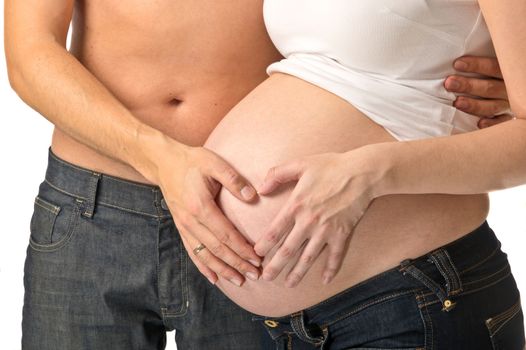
199, 248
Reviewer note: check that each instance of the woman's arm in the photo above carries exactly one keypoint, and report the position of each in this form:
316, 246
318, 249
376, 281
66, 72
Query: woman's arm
477, 162
334, 190
480, 161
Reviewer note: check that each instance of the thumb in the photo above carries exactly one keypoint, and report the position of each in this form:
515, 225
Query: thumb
281, 174
225, 174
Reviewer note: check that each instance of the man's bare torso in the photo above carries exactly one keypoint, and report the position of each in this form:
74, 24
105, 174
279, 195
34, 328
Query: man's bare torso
179, 66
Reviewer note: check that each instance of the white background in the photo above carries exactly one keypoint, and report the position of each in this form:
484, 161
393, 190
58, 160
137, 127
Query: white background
24, 138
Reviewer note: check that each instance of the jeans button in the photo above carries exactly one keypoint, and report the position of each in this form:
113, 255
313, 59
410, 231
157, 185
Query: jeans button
271, 324
163, 204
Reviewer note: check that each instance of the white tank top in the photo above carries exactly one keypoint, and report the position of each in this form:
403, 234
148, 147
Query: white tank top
388, 58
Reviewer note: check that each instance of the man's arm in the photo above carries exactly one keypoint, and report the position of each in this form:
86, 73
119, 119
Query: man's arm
53, 82
485, 97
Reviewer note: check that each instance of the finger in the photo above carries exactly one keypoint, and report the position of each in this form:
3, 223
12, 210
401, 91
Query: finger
488, 66
217, 266
334, 259
311, 252
487, 122
281, 174
223, 270
482, 108
225, 262
286, 252
487, 88
228, 256
189, 242
279, 227
231, 179
226, 232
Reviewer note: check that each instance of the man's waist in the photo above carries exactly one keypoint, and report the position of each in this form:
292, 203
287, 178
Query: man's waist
104, 189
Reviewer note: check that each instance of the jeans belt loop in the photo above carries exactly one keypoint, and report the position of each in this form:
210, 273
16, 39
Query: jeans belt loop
297, 322
407, 268
93, 185
447, 269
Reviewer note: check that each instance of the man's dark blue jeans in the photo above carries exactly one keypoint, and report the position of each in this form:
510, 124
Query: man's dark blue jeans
106, 269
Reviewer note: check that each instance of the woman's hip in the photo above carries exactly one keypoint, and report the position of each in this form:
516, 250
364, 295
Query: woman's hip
459, 296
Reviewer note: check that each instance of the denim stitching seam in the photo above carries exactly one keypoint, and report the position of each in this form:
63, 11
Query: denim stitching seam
457, 280
467, 292
432, 329
467, 269
369, 304
426, 319
184, 284
46, 205
132, 210
92, 190
508, 313
157, 268
105, 203
508, 316
488, 276
440, 269
431, 303
487, 285
155, 201
447, 270
421, 277
298, 325
64, 191
443, 261
73, 221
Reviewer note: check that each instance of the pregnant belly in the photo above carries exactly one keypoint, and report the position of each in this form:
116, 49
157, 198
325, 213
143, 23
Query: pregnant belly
285, 118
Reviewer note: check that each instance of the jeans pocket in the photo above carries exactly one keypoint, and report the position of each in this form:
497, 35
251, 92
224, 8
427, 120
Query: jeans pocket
52, 224
506, 329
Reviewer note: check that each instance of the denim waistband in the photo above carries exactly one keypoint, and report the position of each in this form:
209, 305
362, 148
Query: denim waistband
102, 189
452, 259
467, 251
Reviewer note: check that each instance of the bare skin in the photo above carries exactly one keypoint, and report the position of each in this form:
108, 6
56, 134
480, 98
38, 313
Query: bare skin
314, 135
393, 228
460, 164
140, 92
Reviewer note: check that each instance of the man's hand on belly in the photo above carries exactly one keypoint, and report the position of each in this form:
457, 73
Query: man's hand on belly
54, 82
485, 97
190, 182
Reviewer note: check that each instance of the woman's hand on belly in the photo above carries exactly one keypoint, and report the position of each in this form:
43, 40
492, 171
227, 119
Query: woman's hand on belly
332, 193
